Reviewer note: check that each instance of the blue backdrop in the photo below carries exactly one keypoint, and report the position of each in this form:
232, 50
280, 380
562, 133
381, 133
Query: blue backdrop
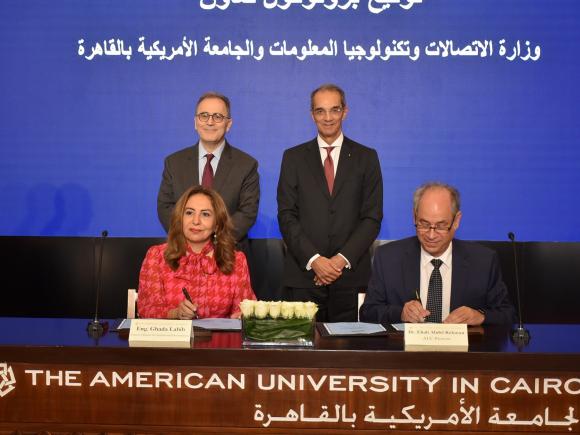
481, 93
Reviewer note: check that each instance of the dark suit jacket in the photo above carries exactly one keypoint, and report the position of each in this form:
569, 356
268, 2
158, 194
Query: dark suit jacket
236, 180
312, 221
475, 282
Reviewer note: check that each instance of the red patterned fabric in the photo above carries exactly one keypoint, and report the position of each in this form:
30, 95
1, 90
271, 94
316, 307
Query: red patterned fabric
216, 294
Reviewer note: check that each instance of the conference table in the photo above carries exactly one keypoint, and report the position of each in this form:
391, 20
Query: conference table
54, 377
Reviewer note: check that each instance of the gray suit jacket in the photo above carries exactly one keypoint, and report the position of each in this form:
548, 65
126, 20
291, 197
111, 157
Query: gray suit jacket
236, 180
312, 221
475, 282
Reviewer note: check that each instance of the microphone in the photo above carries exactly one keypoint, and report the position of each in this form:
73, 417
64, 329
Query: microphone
520, 335
97, 328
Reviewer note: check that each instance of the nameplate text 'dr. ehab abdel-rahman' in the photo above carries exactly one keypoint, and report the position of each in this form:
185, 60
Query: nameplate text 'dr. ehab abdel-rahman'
436, 337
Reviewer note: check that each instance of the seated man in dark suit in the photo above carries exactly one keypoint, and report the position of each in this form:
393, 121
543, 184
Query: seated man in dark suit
433, 277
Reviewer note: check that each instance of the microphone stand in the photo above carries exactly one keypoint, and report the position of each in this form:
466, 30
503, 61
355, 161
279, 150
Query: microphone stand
520, 335
96, 328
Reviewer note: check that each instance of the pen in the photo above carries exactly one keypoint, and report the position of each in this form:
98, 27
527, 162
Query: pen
186, 294
416, 296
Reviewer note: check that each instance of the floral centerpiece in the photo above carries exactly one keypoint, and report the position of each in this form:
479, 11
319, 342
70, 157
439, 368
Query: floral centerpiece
278, 323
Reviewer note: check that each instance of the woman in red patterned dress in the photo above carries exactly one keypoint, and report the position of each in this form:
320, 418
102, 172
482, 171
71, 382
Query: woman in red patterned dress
200, 257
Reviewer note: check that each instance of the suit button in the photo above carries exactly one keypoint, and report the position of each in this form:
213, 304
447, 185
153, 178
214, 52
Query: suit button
332, 211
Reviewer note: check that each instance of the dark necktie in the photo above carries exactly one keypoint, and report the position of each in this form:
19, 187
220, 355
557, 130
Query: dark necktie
435, 293
207, 177
329, 169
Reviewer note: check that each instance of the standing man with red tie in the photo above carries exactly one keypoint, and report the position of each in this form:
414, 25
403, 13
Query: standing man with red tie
213, 163
330, 207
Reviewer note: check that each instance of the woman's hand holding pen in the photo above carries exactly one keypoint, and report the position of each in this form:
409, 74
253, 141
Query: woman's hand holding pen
186, 310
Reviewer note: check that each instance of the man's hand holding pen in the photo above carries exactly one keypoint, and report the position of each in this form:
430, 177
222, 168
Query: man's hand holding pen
413, 311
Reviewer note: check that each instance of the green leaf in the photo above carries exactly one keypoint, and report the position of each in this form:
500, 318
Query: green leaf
277, 329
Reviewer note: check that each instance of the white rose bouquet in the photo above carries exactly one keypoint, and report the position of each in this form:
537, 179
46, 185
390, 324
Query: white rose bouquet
278, 309
290, 323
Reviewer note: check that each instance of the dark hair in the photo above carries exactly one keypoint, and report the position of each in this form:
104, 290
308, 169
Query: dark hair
224, 242
217, 95
328, 87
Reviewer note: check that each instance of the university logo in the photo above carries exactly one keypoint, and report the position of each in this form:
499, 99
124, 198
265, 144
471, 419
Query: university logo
7, 379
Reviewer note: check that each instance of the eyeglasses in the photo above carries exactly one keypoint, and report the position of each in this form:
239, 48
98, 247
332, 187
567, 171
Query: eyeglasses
425, 227
218, 118
334, 112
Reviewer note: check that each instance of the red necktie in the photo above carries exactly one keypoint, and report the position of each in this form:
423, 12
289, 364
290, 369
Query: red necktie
329, 169
207, 177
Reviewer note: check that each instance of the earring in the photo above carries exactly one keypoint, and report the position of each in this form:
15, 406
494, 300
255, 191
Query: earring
214, 238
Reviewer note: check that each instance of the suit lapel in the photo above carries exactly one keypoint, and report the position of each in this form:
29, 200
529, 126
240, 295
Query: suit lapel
411, 269
224, 167
191, 172
314, 162
344, 169
459, 274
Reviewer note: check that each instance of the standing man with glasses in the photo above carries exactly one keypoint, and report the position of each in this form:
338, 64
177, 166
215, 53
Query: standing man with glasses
434, 277
213, 163
330, 207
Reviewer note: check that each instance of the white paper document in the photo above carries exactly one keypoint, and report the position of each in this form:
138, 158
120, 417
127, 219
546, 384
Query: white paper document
219, 324
125, 324
210, 324
353, 328
398, 326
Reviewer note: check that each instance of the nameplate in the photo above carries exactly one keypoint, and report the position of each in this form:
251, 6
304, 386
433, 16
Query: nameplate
160, 333
436, 337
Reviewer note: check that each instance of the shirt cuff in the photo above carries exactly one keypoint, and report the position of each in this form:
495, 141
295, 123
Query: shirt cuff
309, 264
345, 259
